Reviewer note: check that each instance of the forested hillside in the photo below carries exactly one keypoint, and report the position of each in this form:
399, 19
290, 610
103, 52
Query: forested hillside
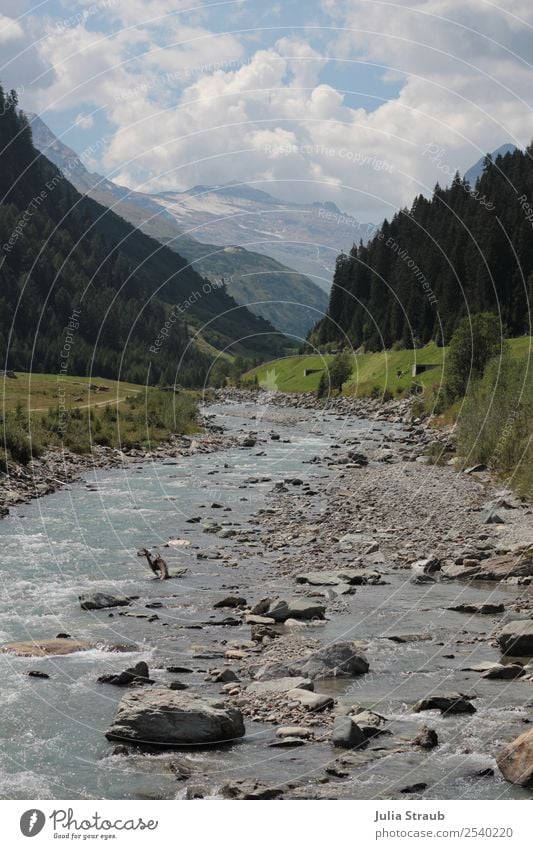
466, 250
71, 271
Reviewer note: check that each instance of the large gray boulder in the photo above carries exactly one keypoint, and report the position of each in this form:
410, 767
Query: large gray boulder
516, 638
516, 760
100, 601
168, 718
343, 659
454, 703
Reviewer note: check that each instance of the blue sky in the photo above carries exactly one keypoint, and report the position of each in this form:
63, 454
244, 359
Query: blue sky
364, 102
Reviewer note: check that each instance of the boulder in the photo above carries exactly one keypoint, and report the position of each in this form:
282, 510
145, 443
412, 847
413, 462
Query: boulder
167, 718
505, 566
298, 608
137, 674
99, 601
426, 738
516, 760
343, 659
504, 672
454, 703
279, 685
370, 723
310, 701
346, 733
516, 638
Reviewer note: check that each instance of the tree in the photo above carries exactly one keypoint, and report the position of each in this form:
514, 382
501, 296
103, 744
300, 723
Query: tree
323, 385
478, 339
340, 370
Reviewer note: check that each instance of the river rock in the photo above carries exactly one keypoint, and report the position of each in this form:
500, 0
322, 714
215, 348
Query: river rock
454, 703
516, 638
346, 733
231, 601
347, 576
167, 718
310, 701
426, 738
248, 788
279, 685
137, 674
294, 731
504, 672
100, 601
480, 607
339, 660
298, 608
370, 723
516, 760
43, 648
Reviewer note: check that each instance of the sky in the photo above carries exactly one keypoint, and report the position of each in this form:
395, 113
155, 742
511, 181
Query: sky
362, 102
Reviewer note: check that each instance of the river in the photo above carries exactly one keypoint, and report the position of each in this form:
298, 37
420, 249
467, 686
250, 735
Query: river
52, 742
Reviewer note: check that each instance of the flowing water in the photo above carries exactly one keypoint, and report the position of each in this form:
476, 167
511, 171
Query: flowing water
52, 742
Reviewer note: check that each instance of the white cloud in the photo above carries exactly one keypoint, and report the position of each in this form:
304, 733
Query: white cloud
193, 106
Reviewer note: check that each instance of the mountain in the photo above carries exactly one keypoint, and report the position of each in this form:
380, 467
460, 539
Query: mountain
474, 173
286, 298
461, 252
129, 306
306, 237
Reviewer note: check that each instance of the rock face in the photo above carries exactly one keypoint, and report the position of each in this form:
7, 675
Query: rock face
516, 638
516, 760
43, 648
346, 733
99, 601
167, 718
298, 608
453, 703
339, 660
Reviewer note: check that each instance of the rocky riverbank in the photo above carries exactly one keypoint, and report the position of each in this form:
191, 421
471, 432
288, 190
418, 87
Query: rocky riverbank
59, 468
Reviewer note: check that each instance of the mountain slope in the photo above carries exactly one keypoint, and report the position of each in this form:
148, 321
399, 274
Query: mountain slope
306, 237
460, 252
474, 173
137, 303
286, 298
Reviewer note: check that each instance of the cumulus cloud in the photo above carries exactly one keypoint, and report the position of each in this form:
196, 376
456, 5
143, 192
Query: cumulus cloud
190, 105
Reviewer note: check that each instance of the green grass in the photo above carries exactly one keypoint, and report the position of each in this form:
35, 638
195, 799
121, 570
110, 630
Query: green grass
35, 415
377, 371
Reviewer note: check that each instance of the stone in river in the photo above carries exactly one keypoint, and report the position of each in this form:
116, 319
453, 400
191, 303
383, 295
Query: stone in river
478, 607
504, 672
43, 648
346, 733
343, 659
454, 703
298, 608
166, 718
99, 601
231, 601
249, 788
426, 738
516, 638
137, 674
310, 701
36, 673
516, 760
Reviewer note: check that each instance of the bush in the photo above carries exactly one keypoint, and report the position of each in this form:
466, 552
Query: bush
496, 422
